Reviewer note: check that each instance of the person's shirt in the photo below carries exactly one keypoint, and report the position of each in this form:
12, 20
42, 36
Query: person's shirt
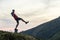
14, 15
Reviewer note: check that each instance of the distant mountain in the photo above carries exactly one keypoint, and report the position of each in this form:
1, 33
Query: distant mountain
46, 30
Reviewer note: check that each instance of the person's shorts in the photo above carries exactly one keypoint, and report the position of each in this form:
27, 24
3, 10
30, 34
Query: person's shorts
17, 19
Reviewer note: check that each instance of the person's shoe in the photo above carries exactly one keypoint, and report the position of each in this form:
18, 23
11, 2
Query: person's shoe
27, 22
16, 30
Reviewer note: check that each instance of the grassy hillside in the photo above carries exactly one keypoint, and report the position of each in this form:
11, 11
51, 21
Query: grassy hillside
14, 36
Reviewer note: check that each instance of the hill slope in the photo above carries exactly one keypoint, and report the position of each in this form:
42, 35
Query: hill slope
46, 30
14, 36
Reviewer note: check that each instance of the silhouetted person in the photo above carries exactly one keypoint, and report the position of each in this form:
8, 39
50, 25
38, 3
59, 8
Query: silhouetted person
17, 18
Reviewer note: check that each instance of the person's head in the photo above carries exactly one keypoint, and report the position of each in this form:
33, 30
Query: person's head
13, 10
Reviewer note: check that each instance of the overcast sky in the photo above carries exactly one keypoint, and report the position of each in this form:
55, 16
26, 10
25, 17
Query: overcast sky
35, 11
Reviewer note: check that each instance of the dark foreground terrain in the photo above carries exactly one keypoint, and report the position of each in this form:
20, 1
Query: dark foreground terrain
14, 36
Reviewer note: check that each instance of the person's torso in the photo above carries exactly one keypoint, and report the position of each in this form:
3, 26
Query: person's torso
14, 15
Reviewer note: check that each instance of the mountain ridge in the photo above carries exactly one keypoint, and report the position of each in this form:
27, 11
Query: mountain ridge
45, 30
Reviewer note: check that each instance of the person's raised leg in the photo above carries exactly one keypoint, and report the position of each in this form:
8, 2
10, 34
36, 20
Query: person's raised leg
24, 20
